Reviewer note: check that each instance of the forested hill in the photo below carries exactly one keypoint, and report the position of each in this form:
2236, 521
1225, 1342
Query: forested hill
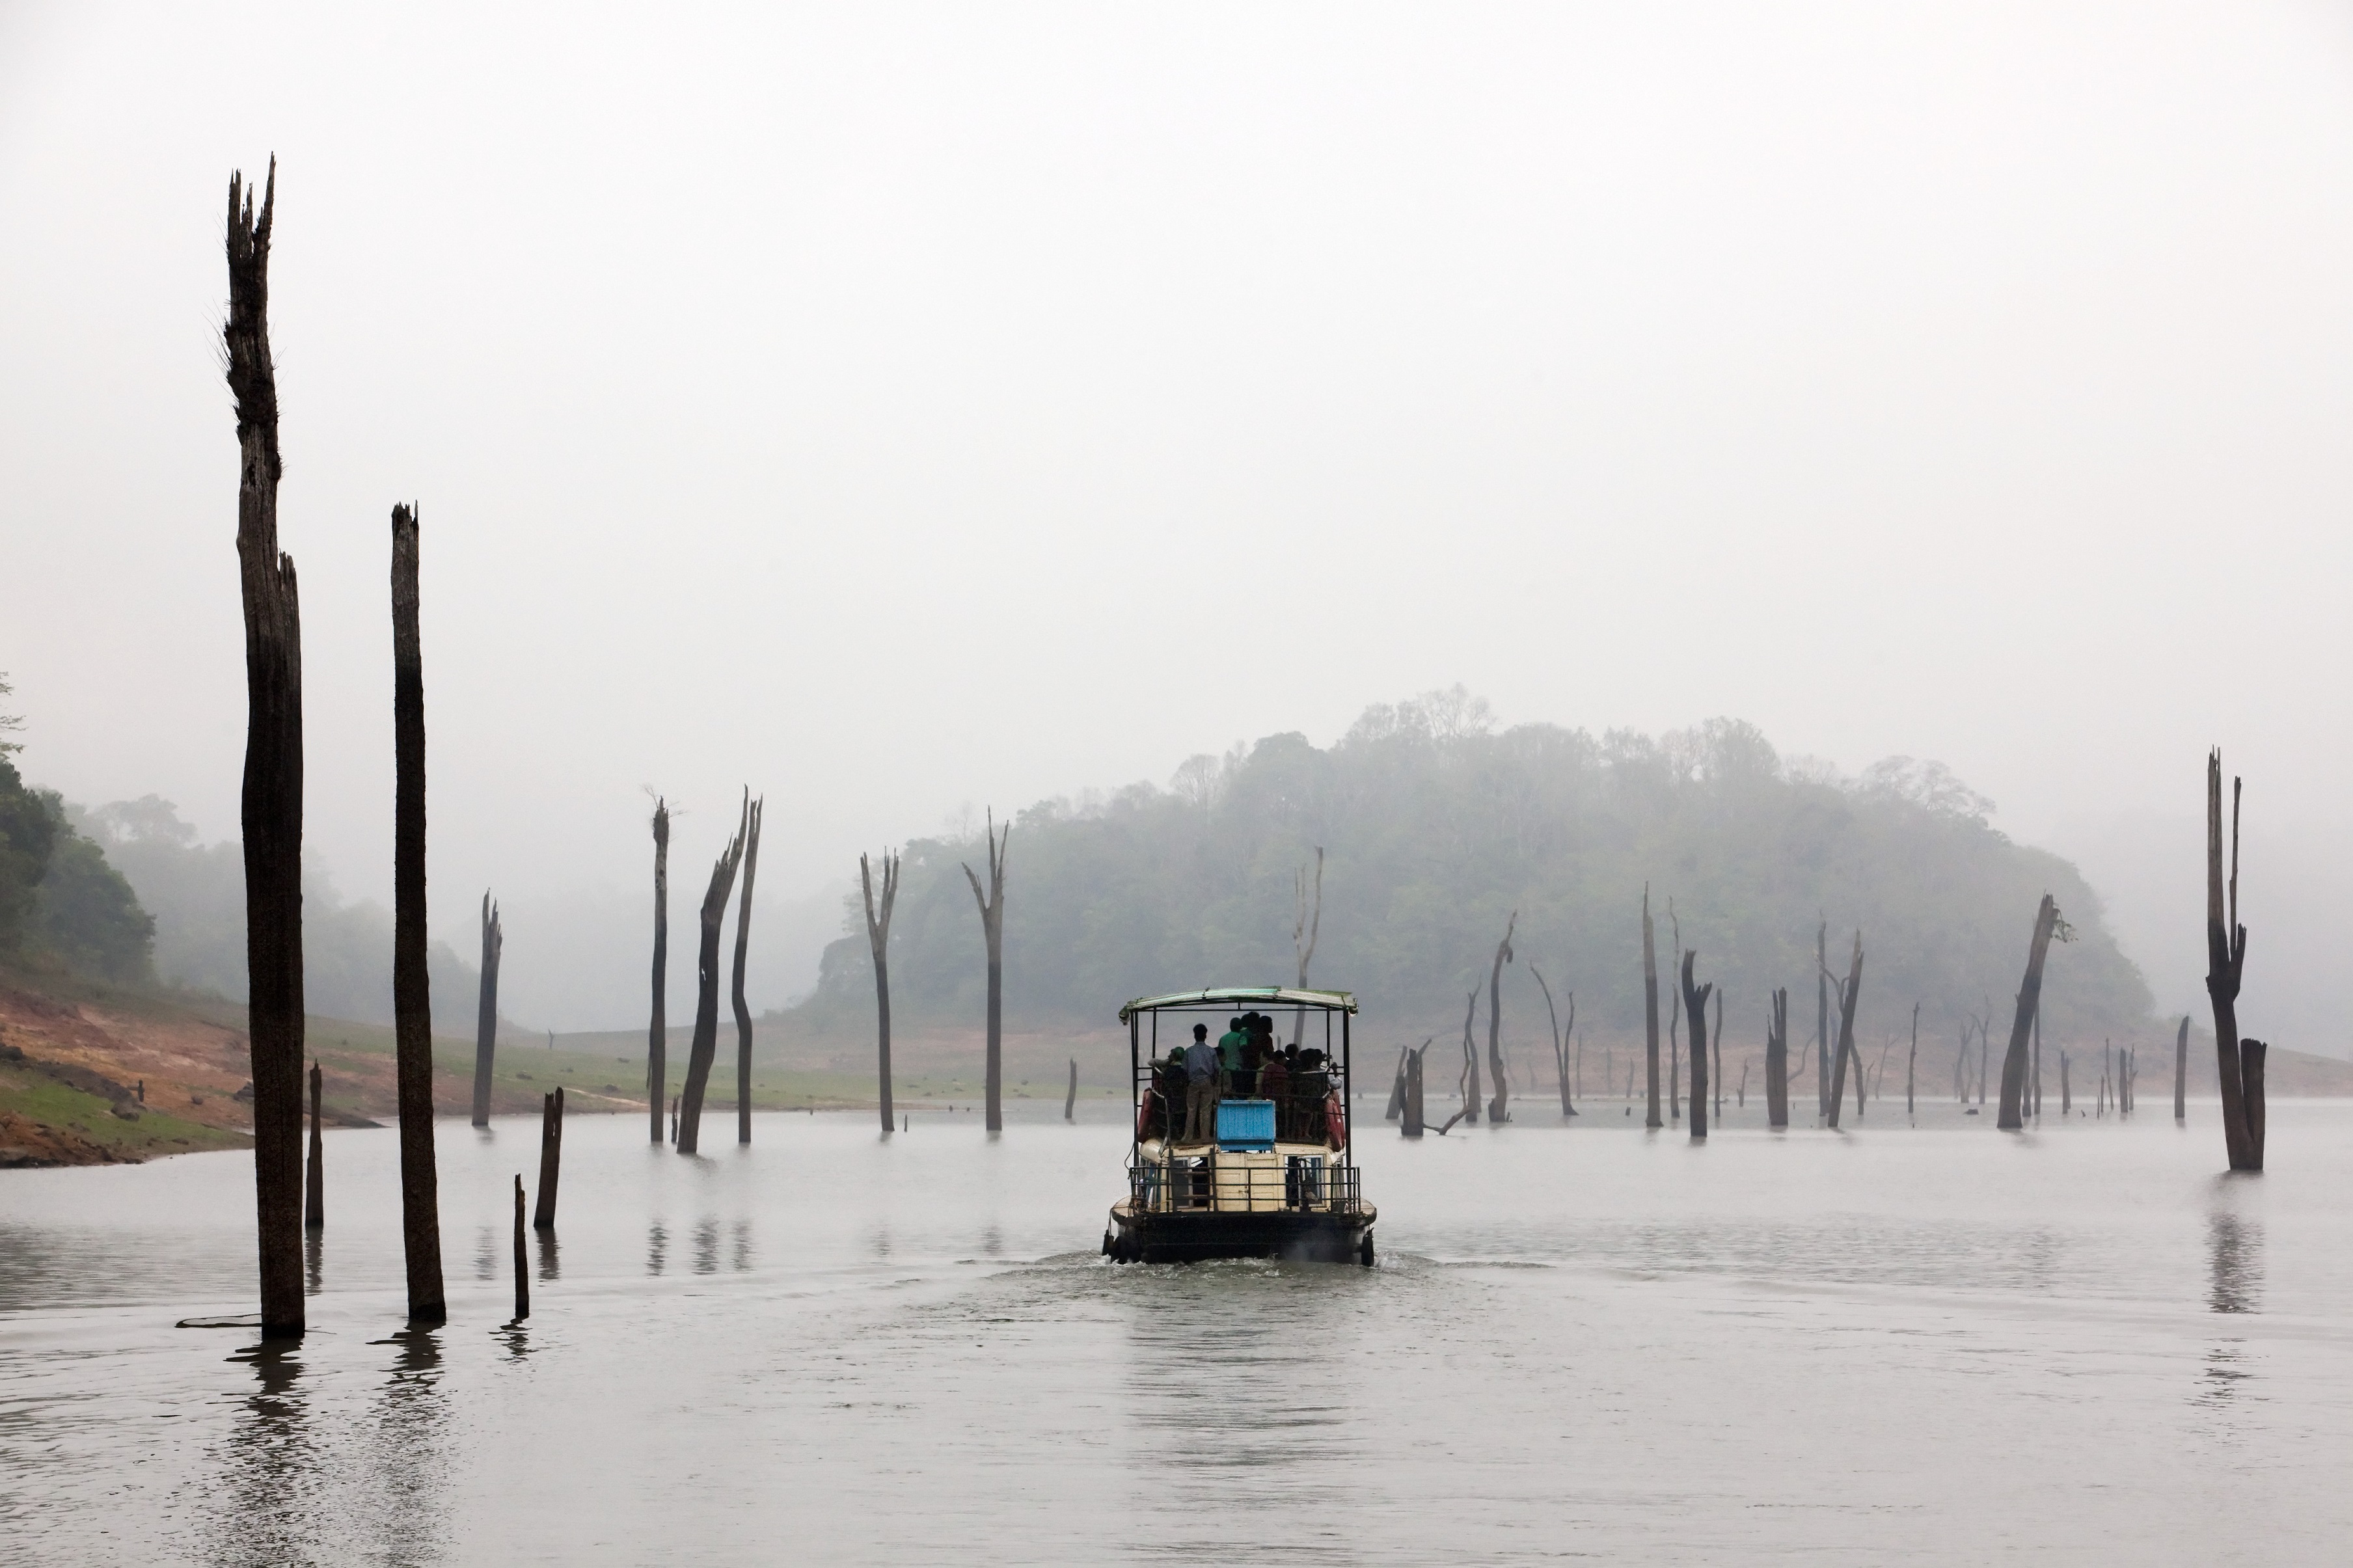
1435, 828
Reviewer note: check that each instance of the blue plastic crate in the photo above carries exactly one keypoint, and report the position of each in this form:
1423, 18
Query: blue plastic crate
1245, 1124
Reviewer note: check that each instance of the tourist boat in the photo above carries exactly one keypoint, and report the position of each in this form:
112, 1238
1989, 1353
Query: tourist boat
1278, 1180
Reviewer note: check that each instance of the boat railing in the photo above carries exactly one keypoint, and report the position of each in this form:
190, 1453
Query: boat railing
1225, 1181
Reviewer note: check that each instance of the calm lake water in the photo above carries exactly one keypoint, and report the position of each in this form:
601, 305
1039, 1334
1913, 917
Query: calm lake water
1932, 1344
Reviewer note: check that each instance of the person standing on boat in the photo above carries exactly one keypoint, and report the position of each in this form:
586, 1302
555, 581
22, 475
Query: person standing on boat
1200, 1089
1232, 1045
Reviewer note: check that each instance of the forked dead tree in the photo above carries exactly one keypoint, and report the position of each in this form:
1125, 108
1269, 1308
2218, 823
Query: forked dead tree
486, 1015
412, 997
2047, 925
1695, 1005
1847, 994
1560, 1038
270, 813
703, 1048
658, 1032
878, 938
1651, 1010
314, 1180
736, 985
2236, 1061
1777, 1060
551, 1159
1499, 1109
992, 933
2181, 1071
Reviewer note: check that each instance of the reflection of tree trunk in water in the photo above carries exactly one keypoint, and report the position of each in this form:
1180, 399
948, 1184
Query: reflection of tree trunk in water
412, 997
270, 809
735, 989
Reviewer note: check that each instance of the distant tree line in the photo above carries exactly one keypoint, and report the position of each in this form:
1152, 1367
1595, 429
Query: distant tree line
1438, 826
59, 898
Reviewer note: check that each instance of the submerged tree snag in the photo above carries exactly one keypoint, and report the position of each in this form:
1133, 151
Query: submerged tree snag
2226, 958
551, 1159
412, 991
735, 988
1695, 1005
703, 1049
486, 1016
658, 1032
1499, 1109
1848, 993
992, 936
1560, 1037
1776, 1061
1411, 1125
271, 809
1651, 1010
2047, 924
878, 938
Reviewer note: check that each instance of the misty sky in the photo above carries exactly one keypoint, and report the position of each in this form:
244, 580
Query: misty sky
908, 408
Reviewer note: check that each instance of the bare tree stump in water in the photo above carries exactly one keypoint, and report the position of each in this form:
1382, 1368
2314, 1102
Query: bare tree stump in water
1467, 1085
735, 990
551, 1159
1776, 1061
878, 938
992, 935
521, 1259
703, 1049
1412, 1123
1695, 1005
1396, 1088
2047, 925
2181, 1071
2034, 1087
486, 1018
1912, 1063
1715, 1057
1560, 1038
2066, 1090
270, 813
1071, 1095
1499, 1108
314, 1184
412, 991
1824, 1104
1847, 995
1650, 1009
658, 1032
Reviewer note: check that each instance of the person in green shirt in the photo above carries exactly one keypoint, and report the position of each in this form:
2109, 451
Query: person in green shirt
1231, 1047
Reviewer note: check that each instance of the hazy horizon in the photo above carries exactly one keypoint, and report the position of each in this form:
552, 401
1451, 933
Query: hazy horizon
910, 410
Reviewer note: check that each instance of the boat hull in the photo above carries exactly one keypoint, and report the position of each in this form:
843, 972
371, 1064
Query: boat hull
1200, 1236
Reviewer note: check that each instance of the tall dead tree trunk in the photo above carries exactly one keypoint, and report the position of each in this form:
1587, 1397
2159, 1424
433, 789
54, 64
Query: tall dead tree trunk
2034, 1084
735, 986
1071, 1095
658, 1032
1397, 1089
2047, 924
1847, 994
2066, 1089
878, 938
1912, 1063
1305, 929
271, 809
486, 1016
1650, 1009
314, 1180
1695, 1006
2226, 958
412, 997
1499, 1109
1776, 1061
703, 1049
1411, 1126
1823, 1102
522, 1260
1560, 1038
1467, 1085
992, 933
2181, 1071
1715, 1057
551, 1159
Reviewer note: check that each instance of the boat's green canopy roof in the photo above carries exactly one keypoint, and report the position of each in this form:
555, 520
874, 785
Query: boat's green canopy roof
1221, 997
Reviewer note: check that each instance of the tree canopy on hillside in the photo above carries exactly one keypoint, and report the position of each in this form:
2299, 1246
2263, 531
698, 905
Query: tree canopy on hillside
1438, 826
